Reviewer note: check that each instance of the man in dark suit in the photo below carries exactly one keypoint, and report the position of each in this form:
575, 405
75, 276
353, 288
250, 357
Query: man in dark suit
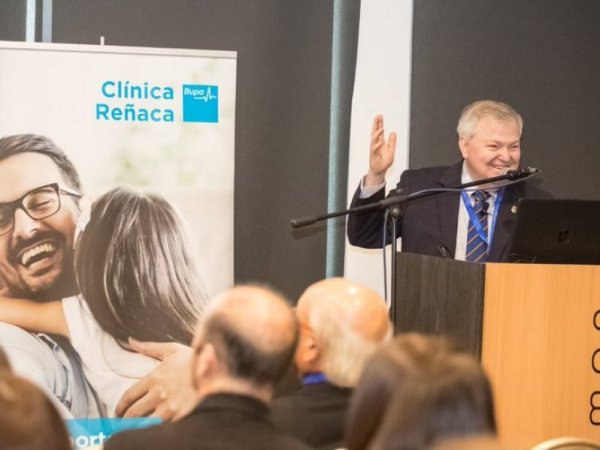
445, 224
243, 345
341, 324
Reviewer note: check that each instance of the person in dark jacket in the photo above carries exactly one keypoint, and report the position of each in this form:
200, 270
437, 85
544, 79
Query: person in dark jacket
475, 225
242, 347
341, 324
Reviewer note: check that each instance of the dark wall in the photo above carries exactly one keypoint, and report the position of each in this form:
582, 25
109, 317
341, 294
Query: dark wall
540, 56
282, 111
12, 20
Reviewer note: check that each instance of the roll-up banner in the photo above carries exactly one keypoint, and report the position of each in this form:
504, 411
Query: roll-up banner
158, 122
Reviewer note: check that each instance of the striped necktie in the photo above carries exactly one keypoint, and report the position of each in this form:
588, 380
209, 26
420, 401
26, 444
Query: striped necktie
477, 249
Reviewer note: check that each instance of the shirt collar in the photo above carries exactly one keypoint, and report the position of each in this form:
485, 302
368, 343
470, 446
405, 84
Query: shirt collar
314, 378
465, 177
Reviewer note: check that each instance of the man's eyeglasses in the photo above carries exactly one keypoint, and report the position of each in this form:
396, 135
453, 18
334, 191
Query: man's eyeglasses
38, 204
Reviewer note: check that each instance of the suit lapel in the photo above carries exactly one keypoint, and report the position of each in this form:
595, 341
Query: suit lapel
447, 210
505, 223
447, 207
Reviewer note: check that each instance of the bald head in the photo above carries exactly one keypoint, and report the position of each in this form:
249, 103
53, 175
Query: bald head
253, 331
342, 322
361, 308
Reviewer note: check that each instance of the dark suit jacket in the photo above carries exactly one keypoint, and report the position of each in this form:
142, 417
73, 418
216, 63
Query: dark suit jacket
314, 414
429, 224
219, 422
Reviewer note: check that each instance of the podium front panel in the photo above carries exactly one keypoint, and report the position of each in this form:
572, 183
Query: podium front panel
440, 296
541, 349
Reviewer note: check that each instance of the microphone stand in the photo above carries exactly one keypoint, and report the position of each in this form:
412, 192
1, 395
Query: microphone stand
399, 199
394, 212
395, 201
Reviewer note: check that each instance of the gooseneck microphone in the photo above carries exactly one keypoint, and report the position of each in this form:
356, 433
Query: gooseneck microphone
509, 175
521, 173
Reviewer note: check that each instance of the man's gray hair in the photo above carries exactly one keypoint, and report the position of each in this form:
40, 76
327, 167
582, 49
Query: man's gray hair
473, 113
344, 352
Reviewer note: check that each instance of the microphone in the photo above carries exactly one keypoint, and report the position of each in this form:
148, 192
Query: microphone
521, 173
511, 175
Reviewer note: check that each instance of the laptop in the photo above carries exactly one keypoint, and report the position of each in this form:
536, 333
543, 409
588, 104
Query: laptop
556, 231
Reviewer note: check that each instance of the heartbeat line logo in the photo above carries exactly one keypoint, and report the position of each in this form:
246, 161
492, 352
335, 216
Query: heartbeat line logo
200, 103
205, 96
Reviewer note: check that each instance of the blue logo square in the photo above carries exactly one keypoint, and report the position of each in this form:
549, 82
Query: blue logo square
200, 103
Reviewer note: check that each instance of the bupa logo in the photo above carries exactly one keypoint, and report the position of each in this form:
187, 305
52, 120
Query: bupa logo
200, 103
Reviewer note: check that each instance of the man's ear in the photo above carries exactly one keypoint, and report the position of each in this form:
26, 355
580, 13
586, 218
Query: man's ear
206, 363
85, 209
463, 144
84, 204
309, 348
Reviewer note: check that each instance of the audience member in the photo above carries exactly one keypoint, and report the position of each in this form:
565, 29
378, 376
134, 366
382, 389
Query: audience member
341, 323
417, 392
242, 346
28, 419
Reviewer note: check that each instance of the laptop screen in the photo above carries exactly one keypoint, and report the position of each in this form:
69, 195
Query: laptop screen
556, 231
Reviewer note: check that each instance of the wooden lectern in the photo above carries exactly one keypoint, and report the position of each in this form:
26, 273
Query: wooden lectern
535, 327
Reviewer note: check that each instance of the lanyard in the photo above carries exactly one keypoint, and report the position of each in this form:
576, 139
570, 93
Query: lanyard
314, 378
475, 219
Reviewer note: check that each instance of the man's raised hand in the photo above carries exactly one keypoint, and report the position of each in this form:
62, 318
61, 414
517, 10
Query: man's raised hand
381, 155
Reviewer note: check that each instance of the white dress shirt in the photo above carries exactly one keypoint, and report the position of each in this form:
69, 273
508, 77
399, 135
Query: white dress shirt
462, 227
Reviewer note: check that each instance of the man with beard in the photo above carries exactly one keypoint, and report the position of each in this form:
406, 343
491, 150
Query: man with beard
36, 260
40, 192
341, 325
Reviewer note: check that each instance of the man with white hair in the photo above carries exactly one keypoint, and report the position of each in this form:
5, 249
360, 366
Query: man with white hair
474, 226
341, 324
